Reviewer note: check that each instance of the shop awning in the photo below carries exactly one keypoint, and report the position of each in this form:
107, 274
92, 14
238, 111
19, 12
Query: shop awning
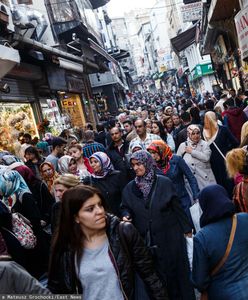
184, 39
222, 9
101, 51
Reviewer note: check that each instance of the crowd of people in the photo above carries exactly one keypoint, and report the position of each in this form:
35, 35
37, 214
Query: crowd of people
107, 212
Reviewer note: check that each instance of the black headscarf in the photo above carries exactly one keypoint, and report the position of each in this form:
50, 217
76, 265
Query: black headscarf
215, 204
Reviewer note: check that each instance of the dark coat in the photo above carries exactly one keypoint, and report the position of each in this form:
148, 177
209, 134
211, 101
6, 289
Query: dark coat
163, 227
179, 169
231, 281
234, 118
111, 187
225, 141
34, 260
133, 255
120, 162
43, 198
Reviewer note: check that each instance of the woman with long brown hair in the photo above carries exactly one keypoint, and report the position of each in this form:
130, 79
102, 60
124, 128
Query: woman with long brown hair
86, 234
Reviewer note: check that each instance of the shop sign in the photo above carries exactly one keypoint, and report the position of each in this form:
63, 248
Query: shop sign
241, 22
202, 70
191, 12
68, 103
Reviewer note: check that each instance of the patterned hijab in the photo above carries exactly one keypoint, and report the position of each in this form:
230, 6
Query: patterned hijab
12, 183
165, 153
145, 182
48, 179
63, 164
105, 162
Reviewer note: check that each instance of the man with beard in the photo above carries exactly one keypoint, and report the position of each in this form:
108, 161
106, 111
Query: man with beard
58, 147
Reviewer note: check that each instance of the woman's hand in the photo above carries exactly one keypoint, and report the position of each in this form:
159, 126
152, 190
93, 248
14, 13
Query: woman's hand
126, 219
188, 149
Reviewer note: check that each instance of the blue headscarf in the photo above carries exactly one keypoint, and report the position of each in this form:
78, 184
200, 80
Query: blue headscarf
11, 182
215, 204
145, 182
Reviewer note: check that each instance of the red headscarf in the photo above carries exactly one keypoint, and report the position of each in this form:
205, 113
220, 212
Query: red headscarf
164, 152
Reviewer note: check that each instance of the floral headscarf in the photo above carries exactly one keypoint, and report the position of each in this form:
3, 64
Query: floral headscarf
63, 164
11, 183
106, 165
145, 182
165, 153
48, 179
190, 130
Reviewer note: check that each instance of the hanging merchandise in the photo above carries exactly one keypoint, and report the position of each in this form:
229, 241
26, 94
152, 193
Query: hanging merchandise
15, 119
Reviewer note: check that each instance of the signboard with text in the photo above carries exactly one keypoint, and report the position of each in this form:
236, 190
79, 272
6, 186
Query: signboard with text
241, 22
191, 12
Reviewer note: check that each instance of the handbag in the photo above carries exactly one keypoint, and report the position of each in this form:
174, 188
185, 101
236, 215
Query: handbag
196, 212
23, 231
204, 295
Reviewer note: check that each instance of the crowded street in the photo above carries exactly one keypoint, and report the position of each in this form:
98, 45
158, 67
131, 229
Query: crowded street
123, 150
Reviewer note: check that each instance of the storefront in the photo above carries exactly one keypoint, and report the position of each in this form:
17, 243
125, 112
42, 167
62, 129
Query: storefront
15, 119
72, 96
52, 114
72, 107
202, 78
19, 113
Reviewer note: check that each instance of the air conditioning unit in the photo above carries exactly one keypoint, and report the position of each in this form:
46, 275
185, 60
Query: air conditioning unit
6, 17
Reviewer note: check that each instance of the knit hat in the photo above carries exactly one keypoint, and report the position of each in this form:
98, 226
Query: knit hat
68, 180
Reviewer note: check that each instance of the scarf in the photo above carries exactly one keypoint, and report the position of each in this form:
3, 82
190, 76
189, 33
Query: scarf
63, 164
191, 129
11, 184
105, 162
49, 180
145, 182
164, 152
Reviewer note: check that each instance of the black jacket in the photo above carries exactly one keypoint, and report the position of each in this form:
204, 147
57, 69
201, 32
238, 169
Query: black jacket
62, 277
111, 187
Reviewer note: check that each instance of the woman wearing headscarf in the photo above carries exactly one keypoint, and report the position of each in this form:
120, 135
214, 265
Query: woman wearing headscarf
175, 168
109, 181
230, 280
18, 198
48, 175
40, 192
196, 153
151, 204
220, 140
67, 165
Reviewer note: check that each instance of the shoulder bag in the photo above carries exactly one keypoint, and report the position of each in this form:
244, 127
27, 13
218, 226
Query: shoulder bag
204, 295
